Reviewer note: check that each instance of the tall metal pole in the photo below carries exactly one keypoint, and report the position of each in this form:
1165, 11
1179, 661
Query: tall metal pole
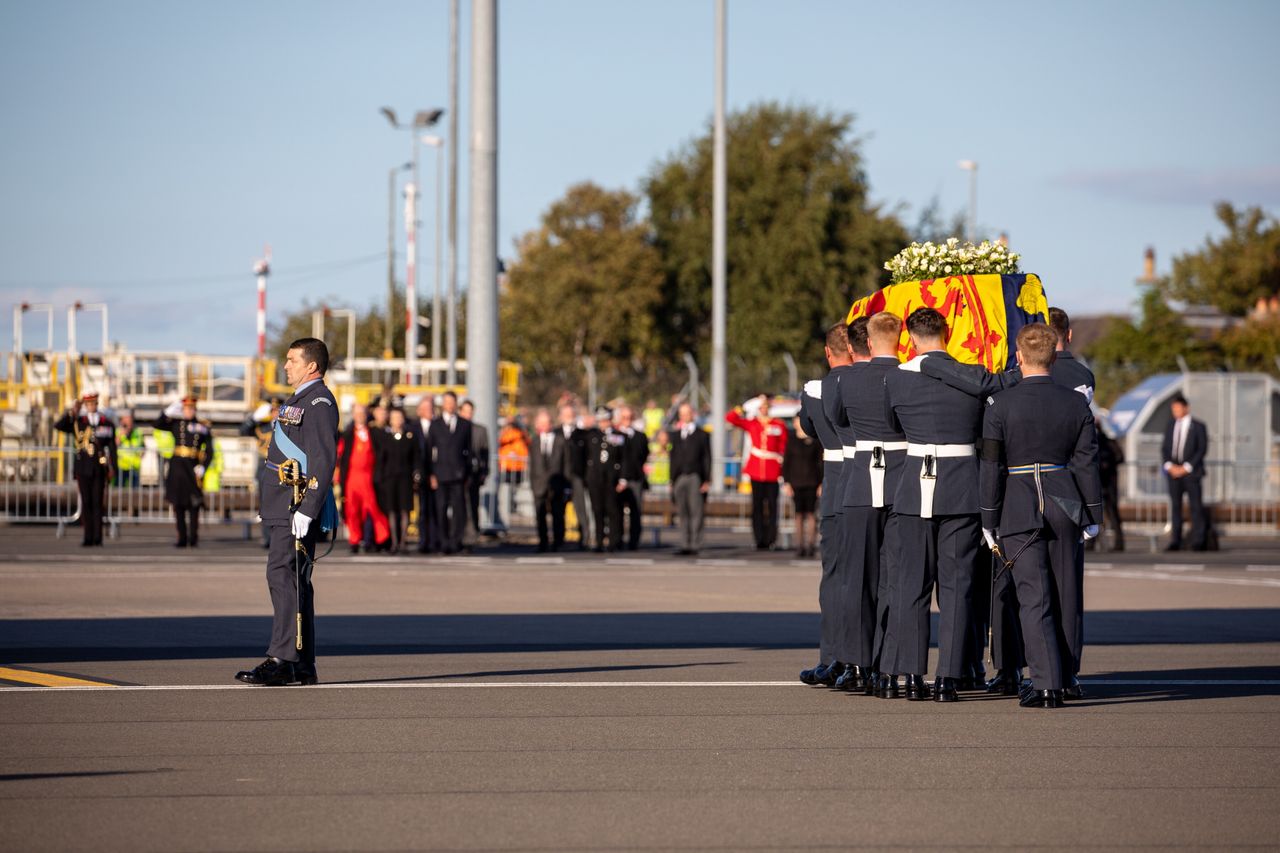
389, 329
451, 321
411, 270
971, 226
482, 289
719, 374
18, 311
436, 320
262, 269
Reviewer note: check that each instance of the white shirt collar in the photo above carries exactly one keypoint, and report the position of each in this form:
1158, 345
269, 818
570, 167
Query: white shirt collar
305, 385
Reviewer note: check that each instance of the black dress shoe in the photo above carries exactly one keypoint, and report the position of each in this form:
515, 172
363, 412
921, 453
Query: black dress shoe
944, 690
1074, 690
305, 674
1005, 683
270, 673
355, 549
917, 690
1173, 546
180, 544
888, 687
832, 674
1041, 699
810, 676
850, 679
976, 679
870, 682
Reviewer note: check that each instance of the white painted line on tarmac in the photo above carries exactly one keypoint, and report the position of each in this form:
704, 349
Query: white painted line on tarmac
1101, 565
1178, 567
539, 561
629, 561
1167, 576
721, 561
450, 685
1252, 568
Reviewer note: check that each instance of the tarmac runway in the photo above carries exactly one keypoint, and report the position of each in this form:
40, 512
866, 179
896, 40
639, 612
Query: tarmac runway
513, 701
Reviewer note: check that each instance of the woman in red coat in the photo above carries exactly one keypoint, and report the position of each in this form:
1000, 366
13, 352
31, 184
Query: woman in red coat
764, 468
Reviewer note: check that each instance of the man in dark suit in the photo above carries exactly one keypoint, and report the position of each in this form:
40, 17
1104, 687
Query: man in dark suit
1040, 495
305, 431
479, 464
575, 460
449, 440
690, 477
635, 452
428, 532
937, 506
547, 480
1186, 442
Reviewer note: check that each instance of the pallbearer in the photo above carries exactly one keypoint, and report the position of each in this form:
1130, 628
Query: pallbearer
833, 648
872, 475
306, 432
1040, 494
192, 451
95, 461
937, 506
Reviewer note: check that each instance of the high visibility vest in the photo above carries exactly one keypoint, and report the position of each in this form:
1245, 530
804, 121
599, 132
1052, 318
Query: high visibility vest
658, 468
164, 443
213, 471
513, 450
652, 421
129, 447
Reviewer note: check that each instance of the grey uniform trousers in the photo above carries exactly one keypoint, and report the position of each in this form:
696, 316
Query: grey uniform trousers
690, 503
289, 587
831, 617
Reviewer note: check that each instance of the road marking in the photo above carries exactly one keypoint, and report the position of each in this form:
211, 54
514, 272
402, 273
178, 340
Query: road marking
1101, 565
540, 561
45, 680
628, 561
1178, 567
712, 561
1166, 576
505, 685
1262, 568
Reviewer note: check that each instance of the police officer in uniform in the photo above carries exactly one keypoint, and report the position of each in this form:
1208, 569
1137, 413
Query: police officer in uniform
1040, 495
635, 452
873, 472
1006, 639
306, 430
937, 505
183, 477
814, 421
95, 461
604, 470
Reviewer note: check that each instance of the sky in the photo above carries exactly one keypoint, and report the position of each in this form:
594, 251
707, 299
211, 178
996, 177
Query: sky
151, 149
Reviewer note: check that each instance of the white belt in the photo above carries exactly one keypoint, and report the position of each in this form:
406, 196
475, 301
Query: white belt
836, 455
929, 481
848, 450
877, 471
766, 454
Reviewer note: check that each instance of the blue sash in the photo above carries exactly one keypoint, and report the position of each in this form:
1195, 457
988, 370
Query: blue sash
329, 507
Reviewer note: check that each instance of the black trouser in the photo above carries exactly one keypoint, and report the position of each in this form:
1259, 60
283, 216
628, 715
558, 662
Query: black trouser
1192, 487
607, 511
1111, 510
428, 531
831, 617
863, 543
1006, 631
550, 503
975, 644
764, 512
188, 523
93, 505
1049, 597
473, 501
451, 514
629, 501
939, 550
885, 644
291, 592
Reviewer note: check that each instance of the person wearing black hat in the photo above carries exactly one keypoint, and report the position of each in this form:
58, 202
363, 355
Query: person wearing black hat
192, 450
1186, 442
604, 470
95, 461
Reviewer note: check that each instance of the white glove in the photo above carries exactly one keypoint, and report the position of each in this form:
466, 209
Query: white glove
301, 524
814, 388
174, 409
199, 472
1090, 532
262, 413
990, 536
914, 364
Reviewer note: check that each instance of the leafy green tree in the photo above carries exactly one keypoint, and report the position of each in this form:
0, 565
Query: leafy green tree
1233, 272
803, 238
1254, 345
587, 282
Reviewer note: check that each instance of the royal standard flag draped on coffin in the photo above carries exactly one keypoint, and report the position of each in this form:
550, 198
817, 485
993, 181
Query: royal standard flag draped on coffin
983, 312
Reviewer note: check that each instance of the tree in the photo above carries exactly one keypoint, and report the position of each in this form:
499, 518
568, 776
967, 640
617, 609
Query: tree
1234, 272
587, 282
803, 239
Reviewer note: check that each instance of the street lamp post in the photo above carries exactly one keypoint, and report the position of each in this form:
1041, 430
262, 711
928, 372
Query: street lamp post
719, 299
389, 330
437, 143
971, 166
421, 120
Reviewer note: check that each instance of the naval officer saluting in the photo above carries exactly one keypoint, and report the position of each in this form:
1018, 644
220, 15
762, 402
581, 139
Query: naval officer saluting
1041, 493
306, 430
937, 506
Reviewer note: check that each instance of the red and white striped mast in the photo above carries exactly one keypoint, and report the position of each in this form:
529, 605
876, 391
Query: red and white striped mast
262, 269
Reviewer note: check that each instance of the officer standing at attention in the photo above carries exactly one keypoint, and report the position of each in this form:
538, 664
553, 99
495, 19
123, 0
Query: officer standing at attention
95, 461
937, 505
1040, 494
306, 430
814, 421
1006, 640
449, 443
183, 478
604, 470
635, 452
872, 475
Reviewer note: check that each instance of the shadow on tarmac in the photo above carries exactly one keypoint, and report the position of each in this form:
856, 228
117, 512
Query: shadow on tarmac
212, 637
1200, 685
565, 670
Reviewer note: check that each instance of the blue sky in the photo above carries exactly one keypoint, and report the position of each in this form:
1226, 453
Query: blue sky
151, 148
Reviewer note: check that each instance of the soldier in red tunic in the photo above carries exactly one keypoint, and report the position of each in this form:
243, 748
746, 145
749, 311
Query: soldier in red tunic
764, 468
